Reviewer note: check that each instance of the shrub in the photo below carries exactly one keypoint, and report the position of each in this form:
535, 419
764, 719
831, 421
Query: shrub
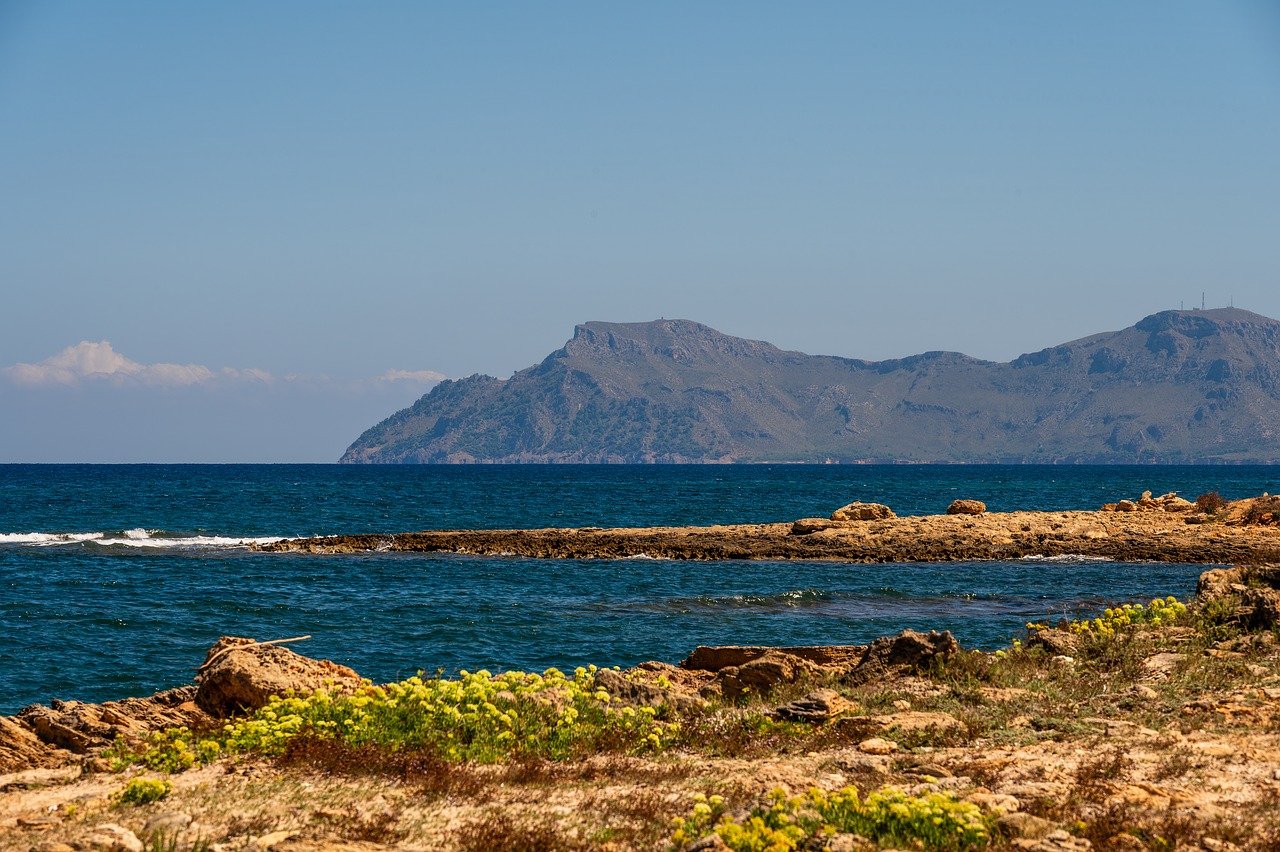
1161, 611
933, 821
144, 791
1211, 503
478, 717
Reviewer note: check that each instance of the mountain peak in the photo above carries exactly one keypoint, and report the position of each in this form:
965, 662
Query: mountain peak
1178, 386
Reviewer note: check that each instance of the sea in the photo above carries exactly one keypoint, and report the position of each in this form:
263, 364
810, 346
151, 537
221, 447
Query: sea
114, 580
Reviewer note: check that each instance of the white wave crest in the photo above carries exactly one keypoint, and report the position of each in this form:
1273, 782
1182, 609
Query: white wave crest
1064, 557
136, 538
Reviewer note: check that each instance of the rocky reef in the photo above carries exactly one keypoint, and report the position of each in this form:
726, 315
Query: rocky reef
1164, 529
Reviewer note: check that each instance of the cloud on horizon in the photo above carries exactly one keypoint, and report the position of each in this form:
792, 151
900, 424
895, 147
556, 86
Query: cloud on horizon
97, 362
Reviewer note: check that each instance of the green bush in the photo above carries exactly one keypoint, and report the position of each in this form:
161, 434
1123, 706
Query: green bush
144, 791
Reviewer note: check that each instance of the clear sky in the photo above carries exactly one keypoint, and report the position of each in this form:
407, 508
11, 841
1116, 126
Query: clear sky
332, 191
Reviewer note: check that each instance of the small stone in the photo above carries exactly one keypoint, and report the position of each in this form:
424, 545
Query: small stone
1018, 824
1145, 692
877, 745
169, 823
110, 837
269, 841
1213, 844
966, 507
844, 842
710, 843
1125, 841
38, 821
902, 704
53, 846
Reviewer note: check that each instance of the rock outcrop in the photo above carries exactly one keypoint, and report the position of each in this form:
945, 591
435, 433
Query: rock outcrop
49, 735
240, 675
907, 652
966, 507
863, 512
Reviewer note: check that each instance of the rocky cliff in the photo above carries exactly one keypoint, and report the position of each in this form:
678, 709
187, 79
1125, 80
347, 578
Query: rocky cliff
1177, 387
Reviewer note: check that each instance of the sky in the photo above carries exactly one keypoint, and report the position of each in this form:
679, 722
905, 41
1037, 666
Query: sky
245, 232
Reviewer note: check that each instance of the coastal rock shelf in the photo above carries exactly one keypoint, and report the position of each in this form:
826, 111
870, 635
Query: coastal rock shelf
1154, 536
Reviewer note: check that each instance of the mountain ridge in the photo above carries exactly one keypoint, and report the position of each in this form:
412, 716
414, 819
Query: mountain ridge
1175, 387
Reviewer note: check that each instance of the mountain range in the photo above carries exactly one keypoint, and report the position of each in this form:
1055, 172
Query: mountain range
1198, 386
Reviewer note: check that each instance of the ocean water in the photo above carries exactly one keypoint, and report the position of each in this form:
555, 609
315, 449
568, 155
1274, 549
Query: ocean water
115, 579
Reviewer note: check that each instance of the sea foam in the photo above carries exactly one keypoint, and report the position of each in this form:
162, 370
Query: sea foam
136, 538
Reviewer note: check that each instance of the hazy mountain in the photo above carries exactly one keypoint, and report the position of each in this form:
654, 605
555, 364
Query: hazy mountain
1180, 386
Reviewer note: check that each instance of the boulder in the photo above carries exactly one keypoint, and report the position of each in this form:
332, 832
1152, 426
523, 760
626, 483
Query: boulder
634, 691
80, 728
239, 675
907, 652
760, 675
863, 512
818, 706
20, 748
1056, 642
966, 507
805, 526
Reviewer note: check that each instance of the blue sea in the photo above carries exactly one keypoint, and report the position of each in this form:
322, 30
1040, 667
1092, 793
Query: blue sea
115, 579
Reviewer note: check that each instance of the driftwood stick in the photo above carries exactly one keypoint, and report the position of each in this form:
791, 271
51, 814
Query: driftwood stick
255, 644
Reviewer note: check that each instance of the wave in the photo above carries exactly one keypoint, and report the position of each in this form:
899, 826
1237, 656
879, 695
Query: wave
1064, 557
135, 538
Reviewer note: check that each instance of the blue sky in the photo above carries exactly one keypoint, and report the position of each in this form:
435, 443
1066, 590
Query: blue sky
332, 191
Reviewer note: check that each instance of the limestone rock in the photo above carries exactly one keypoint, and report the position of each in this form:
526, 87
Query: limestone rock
966, 507
877, 745
20, 748
1057, 643
1018, 824
110, 837
804, 526
818, 706
863, 512
239, 675
908, 651
760, 675
636, 692
44, 734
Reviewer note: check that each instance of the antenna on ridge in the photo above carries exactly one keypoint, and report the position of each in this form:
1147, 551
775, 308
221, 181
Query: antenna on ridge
1202, 300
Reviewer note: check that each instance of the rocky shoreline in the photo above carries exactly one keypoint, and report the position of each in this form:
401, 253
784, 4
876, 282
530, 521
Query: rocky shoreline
1147, 728
1149, 529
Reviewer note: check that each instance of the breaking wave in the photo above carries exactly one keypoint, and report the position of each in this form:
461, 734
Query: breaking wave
134, 538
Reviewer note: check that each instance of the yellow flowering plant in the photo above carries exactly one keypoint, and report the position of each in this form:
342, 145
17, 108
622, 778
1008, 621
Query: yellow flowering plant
782, 823
478, 716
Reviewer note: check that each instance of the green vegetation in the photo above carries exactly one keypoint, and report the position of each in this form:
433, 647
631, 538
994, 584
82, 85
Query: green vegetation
144, 791
478, 717
782, 823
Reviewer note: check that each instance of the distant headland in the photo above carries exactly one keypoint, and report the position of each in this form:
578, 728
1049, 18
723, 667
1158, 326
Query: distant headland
1178, 387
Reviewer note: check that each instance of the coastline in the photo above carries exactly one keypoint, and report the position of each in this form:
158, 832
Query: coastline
1136, 536
1151, 727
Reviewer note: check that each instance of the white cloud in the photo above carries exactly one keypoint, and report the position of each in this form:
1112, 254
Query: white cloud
421, 376
96, 361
